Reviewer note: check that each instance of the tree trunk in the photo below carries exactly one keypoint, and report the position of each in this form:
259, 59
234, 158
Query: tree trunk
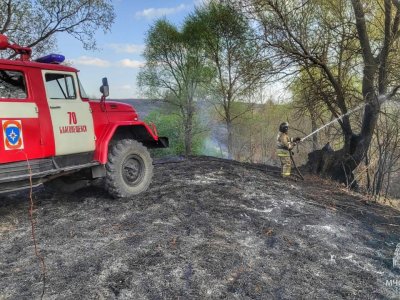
368, 173
314, 137
188, 137
331, 164
189, 129
229, 128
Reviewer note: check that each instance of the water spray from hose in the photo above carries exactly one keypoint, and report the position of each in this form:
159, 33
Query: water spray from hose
333, 121
380, 100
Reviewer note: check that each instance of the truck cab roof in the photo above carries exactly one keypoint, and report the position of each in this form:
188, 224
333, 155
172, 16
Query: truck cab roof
34, 64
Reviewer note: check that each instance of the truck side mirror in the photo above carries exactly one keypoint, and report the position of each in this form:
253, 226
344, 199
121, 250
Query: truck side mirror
104, 88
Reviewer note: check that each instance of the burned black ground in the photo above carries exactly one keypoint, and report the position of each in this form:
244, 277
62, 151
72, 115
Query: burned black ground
206, 229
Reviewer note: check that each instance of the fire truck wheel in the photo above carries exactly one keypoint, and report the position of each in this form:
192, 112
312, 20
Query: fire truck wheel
129, 169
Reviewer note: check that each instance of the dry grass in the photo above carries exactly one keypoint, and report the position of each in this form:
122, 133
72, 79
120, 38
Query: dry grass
391, 202
6, 227
8, 224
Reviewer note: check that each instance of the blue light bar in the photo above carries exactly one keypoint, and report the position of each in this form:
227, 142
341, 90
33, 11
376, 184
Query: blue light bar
51, 59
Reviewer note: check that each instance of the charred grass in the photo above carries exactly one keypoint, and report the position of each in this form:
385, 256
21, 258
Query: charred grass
206, 229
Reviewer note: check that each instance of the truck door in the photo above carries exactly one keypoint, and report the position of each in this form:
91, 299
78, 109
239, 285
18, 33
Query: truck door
70, 116
19, 117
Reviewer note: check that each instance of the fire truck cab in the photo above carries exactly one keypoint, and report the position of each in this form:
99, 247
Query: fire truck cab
50, 129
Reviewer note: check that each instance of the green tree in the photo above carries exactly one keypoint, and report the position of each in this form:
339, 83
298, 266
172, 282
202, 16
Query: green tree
35, 23
170, 125
175, 69
329, 35
309, 91
239, 62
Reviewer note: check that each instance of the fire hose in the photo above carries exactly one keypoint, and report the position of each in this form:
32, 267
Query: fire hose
294, 164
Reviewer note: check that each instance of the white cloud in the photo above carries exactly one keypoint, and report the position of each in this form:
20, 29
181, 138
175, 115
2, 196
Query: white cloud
201, 2
151, 13
91, 61
126, 87
127, 48
101, 63
129, 63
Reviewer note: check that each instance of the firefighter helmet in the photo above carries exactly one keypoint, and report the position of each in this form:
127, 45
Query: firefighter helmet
284, 127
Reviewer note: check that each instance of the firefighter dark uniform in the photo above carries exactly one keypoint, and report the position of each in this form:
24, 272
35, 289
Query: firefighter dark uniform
284, 145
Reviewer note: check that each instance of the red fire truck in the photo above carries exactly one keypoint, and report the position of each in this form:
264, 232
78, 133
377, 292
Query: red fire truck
52, 131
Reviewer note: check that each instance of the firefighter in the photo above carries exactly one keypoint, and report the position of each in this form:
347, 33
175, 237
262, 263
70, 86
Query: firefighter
285, 144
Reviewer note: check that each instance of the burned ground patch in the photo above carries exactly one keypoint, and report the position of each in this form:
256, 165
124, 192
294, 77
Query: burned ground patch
206, 229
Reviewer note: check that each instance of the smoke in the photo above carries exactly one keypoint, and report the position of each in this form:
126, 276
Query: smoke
213, 147
214, 143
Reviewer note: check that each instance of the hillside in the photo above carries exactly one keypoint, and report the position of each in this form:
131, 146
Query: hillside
206, 229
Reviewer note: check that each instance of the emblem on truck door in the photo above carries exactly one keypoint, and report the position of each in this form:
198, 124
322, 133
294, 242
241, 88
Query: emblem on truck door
12, 135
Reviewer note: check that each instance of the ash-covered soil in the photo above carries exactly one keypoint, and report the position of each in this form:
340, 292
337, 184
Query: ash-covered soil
206, 229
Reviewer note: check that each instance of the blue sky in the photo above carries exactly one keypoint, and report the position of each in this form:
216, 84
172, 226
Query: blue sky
119, 56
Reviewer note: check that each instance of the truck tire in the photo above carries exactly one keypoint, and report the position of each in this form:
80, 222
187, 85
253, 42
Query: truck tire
129, 169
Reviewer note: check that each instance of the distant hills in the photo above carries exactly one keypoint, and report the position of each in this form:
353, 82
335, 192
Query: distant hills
145, 106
